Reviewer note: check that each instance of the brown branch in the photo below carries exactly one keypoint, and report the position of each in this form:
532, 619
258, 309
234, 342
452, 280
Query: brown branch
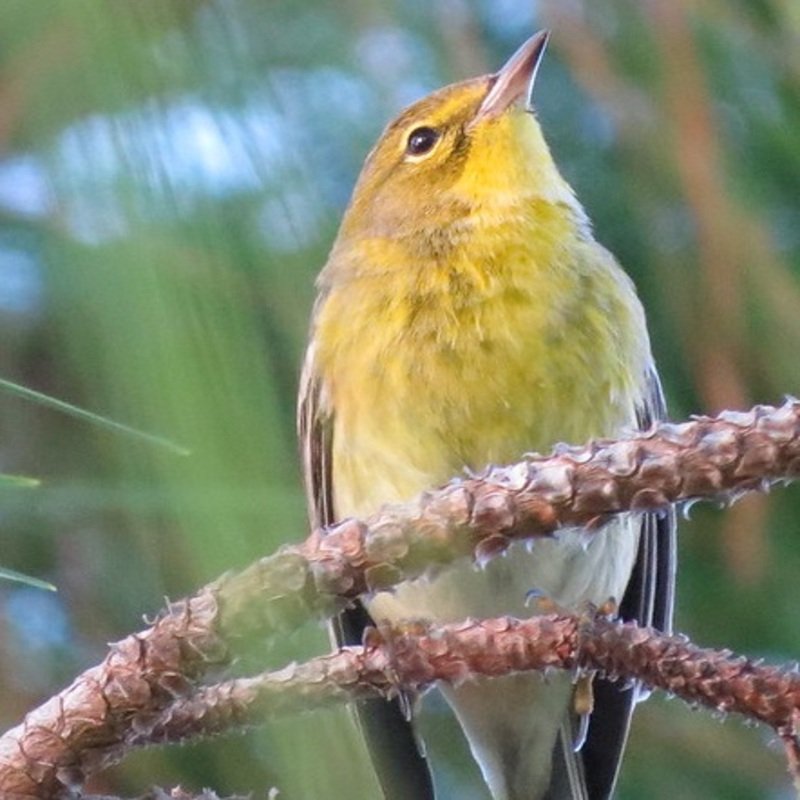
412, 658
407, 659
404, 659
58, 743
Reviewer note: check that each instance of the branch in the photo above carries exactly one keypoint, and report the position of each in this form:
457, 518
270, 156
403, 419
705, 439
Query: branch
412, 658
58, 743
713, 458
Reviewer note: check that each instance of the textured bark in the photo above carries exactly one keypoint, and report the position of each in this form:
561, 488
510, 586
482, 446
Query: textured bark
72, 734
412, 658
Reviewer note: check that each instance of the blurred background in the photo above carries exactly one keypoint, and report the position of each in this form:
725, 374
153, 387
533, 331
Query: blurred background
171, 177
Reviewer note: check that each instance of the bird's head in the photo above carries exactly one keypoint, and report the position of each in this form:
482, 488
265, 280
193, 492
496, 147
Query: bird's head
474, 145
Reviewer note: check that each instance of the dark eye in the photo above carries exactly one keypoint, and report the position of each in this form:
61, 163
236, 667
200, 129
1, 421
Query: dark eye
421, 141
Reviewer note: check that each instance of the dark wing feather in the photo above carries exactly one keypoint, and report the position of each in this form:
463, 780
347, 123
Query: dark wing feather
315, 433
401, 768
649, 600
662, 536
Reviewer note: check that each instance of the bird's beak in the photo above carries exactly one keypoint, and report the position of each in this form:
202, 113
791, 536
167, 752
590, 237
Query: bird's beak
516, 78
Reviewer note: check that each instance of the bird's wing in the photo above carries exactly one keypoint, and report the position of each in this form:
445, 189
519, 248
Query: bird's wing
400, 767
315, 434
648, 600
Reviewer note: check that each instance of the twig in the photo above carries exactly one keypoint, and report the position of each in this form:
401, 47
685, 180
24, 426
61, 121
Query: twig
412, 658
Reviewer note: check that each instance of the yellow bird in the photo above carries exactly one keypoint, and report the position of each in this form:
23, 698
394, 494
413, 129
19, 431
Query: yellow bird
466, 315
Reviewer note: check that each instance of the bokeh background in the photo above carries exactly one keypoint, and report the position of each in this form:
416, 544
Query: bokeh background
171, 176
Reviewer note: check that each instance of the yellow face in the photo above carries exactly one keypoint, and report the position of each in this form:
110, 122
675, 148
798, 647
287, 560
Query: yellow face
419, 157
443, 157
431, 139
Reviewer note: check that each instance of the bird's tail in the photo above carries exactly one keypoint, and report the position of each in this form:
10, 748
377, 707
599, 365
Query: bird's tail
567, 779
514, 727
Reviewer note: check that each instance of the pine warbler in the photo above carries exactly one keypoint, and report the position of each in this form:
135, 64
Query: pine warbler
466, 315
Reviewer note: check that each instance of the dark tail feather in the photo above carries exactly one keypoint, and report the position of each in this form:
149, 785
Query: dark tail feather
568, 781
401, 768
648, 600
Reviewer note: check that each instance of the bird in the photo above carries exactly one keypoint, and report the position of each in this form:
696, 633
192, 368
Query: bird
467, 315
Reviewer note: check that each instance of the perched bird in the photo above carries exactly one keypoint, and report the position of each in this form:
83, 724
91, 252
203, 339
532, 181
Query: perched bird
466, 316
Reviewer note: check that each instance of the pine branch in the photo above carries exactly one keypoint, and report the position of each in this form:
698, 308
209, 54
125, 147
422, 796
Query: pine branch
411, 658
69, 736
713, 458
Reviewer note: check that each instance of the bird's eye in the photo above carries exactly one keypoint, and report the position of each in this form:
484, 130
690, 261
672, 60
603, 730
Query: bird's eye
421, 141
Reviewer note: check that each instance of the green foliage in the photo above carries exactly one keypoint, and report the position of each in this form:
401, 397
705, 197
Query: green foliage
86, 416
27, 580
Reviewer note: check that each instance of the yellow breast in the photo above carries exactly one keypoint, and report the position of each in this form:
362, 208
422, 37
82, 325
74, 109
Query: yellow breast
523, 333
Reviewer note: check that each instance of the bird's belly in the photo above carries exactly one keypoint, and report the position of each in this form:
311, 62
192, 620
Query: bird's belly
572, 569
512, 723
